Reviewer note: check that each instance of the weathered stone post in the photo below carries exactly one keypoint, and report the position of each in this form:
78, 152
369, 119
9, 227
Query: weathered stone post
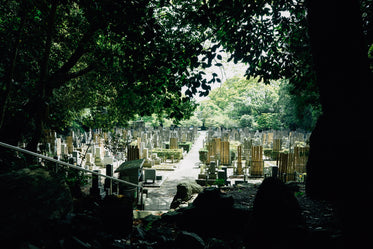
239, 160
108, 182
95, 189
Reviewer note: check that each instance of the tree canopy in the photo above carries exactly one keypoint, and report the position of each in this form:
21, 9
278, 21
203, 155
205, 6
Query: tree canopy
108, 59
103, 62
254, 105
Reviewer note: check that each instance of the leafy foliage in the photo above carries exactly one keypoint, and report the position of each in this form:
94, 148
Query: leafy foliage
115, 59
248, 103
271, 37
103, 62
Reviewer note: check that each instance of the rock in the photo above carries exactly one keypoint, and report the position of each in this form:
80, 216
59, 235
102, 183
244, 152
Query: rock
275, 204
31, 201
161, 235
185, 190
293, 186
209, 215
212, 198
276, 215
214, 243
151, 221
187, 240
117, 215
85, 226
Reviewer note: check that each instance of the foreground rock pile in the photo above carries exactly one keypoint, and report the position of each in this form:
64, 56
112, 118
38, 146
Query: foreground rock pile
271, 215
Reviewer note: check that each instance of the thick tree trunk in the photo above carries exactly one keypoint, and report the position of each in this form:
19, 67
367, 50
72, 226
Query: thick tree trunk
338, 169
40, 105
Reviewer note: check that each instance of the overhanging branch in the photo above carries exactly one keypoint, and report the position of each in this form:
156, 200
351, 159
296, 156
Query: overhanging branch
80, 72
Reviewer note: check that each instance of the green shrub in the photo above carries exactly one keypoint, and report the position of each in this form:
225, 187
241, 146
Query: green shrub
267, 152
167, 153
203, 155
186, 146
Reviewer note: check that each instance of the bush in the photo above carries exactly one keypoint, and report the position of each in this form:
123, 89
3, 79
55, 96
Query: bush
167, 153
186, 146
203, 155
247, 121
267, 152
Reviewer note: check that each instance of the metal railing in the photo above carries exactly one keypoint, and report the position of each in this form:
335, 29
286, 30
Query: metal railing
58, 162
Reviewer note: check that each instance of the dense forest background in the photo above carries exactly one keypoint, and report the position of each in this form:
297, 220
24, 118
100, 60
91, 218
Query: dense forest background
241, 102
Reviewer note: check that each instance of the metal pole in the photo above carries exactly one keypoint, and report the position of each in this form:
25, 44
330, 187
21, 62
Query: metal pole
65, 164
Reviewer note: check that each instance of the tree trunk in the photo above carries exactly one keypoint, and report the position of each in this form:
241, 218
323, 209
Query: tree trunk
337, 169
41, 102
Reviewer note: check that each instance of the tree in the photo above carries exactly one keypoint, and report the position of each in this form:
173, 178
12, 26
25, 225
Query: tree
343, 80
271, 37
113, 58
239, 102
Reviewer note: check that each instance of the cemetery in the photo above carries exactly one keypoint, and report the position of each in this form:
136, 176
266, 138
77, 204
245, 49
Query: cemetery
241, 155
155, 124
138, 155
230, 165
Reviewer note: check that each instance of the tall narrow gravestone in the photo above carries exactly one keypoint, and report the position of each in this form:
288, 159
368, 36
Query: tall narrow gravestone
225, 155
217, 146
108, 182
256, 168
58, 147
276, 148
300, 158
69, 142
239, 160
95, 189
133, 153
286, 166
174, 143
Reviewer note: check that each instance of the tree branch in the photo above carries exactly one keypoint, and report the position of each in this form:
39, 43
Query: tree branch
80, 72
63, 72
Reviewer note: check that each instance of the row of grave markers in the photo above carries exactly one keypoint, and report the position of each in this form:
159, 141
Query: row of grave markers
288, 152
98, 148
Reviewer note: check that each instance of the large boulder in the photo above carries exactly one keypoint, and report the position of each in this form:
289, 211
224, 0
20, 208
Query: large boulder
187, 240
209, 215
32, 200
185, 191
117, 215
276, 215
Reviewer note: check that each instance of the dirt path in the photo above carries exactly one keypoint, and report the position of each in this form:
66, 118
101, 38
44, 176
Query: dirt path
161, 198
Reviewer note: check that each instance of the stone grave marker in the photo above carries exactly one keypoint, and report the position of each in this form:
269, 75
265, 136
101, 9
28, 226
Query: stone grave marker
69, 143
184, 138
98, 158
76, 156
286, 166
58, 147
89, 159
108, 158
108, 186
225, 153
174, 143
96, 184
225, 137
256, 167
212, 172
130, 171
133, 153
300, 158
64, 150
239, 160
